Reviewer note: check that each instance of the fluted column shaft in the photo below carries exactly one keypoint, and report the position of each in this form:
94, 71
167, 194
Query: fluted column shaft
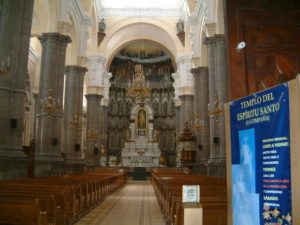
72, 123
50, 112
104, 125
92, 154
187, 109
201, 109
15, 27
217, 68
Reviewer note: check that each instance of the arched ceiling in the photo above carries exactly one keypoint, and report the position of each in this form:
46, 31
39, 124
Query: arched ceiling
139, 31
159, 4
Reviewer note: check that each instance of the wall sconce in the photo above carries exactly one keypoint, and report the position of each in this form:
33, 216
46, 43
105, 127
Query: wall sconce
5, 65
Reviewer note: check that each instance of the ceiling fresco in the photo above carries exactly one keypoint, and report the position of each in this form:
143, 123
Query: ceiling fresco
156, 63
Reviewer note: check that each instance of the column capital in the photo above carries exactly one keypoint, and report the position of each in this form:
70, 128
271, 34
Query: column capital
54, 37
93, 96
199, 70
96, 66
177, 102
90, 59
214, 39
63, 27
183, 59
75, 70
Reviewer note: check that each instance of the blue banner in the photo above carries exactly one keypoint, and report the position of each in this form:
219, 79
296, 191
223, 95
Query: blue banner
260, 149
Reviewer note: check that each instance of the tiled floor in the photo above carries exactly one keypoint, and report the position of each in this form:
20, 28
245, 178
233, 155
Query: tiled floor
134, 204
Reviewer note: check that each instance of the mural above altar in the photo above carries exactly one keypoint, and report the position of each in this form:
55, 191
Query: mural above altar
141, 148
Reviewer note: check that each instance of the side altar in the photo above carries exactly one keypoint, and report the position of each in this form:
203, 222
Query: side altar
141, 148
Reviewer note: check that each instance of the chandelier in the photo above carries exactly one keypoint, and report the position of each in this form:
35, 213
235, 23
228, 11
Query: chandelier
139, 90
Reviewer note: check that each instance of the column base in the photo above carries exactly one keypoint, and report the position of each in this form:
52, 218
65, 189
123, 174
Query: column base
12, 167
49, 165
74, 166
12, 152
91, 164
217, 167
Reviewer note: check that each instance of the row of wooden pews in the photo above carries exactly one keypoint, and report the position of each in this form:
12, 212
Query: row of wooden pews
57, 200
168, 189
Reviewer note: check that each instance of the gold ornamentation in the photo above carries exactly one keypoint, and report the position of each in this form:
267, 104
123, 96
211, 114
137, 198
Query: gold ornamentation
49, 105
5, 66
215, 109
93, 134
139, 89
76, 121
198, 124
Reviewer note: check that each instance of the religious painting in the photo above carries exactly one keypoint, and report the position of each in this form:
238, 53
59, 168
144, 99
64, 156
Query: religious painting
141, 120
155, 62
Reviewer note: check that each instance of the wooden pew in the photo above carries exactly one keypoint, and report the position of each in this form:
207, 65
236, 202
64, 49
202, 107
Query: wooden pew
22, 211
168, 189
61, 200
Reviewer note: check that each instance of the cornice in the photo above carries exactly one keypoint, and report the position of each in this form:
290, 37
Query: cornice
214, 39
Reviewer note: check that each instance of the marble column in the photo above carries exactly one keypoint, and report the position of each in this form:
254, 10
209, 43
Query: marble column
15, 27
201, 103
92, 154
218, 76
49, 115
72, 123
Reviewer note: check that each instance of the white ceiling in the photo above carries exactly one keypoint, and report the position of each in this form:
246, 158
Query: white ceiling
142, 4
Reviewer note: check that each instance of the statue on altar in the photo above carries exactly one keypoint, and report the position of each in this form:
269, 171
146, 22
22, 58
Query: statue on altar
128, 134
142, 119
139, 77
140, 150
156, 135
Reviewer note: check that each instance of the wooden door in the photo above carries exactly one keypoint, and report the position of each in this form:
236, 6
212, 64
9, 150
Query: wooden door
271, 31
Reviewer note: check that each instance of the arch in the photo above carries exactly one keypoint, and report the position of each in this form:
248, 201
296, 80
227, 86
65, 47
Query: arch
135, 29
150, 41
72, 50
92, 41
87, 5
203, 50
137, 108
54, 12
40, 17
220, 17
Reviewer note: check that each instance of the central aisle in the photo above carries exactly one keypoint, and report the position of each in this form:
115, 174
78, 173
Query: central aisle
134, 204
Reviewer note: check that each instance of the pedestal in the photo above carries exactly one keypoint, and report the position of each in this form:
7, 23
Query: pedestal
192, 214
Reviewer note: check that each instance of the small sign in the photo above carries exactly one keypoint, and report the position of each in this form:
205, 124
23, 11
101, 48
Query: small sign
190, 193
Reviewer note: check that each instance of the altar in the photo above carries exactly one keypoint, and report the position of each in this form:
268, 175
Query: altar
141, 148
